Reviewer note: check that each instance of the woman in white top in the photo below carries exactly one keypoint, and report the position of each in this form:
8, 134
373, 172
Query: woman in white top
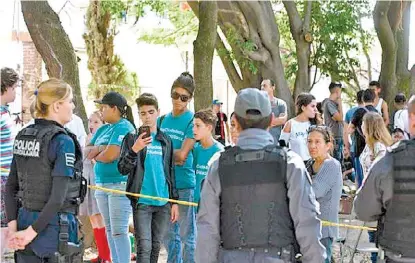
377, 140
295, 130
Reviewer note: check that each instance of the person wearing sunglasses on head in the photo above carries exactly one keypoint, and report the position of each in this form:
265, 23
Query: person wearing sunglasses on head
326, 175
178, 124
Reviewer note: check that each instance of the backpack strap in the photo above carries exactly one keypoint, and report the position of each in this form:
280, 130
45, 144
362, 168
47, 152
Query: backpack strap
161, 119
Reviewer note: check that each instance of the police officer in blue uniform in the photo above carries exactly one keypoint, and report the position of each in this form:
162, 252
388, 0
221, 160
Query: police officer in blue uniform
388, 196
45, 184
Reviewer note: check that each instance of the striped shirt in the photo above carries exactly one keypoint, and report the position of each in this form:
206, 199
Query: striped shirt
6, 139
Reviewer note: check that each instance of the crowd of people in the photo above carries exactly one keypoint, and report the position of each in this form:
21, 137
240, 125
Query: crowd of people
238, 174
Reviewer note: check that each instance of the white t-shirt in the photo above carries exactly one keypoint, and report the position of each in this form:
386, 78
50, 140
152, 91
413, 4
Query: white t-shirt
297, 140
379, 106
77, 127
400, 121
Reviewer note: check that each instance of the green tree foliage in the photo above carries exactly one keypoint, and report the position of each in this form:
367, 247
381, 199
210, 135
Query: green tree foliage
182, 32
338, 40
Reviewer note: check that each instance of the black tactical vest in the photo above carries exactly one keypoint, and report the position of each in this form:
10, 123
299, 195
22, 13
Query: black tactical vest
254, 204
34, 168
397, 227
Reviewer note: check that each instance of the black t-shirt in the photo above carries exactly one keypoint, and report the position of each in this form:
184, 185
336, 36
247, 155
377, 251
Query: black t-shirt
220, 124
357, 121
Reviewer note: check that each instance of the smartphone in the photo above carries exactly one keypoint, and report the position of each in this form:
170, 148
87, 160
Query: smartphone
144, 129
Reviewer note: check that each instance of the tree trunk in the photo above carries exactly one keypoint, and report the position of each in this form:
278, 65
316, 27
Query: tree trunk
252, 34
402, 38
55, 47
388, 17
300, 30
107, 69
204, 47
387, 41
412, 83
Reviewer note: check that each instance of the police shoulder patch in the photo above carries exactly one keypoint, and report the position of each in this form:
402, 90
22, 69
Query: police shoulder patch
70, 159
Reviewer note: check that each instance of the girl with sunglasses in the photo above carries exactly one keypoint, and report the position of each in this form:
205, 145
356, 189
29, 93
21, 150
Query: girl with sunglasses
326, 174
178, 124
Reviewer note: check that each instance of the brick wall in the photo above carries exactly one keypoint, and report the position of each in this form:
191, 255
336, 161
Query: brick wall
32, 75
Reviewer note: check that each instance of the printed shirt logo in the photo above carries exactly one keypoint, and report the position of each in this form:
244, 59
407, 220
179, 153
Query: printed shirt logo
174, 134
202, 169
154, 149
70, 159
26, 148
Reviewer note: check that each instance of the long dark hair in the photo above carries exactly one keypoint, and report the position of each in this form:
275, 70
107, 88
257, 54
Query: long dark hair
126, 113
304, 99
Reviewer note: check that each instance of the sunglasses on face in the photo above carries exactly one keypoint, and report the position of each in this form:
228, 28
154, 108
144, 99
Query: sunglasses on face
183, 98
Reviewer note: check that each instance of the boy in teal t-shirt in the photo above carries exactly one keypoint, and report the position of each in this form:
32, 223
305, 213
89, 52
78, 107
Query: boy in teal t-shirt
147, 158
205, 148
178, 124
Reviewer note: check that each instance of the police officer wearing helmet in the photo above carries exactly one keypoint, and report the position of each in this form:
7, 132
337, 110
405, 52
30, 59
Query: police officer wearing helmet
388, 196
257, 204
45, 185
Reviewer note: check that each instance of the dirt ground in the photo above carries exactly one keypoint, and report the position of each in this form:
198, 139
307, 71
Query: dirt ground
351, 237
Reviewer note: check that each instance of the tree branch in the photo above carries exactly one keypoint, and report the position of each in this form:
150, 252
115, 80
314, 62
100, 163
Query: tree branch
307, 17
267, 32
314, 79
223, 53
294, 17
382, 26
354, 75
261, 55
227, 62
60, 10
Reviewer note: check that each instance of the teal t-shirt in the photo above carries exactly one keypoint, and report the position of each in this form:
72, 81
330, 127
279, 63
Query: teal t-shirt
201, 160
110, 134
154, 181
180, 128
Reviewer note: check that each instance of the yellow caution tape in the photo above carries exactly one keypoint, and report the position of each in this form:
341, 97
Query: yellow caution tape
324, 223
142, 196
327, 223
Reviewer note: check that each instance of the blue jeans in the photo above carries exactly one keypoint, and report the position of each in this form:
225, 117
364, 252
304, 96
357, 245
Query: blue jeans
338, 149
150, 224
116, 210
182, 233
327, 242
359, 171
372, 239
